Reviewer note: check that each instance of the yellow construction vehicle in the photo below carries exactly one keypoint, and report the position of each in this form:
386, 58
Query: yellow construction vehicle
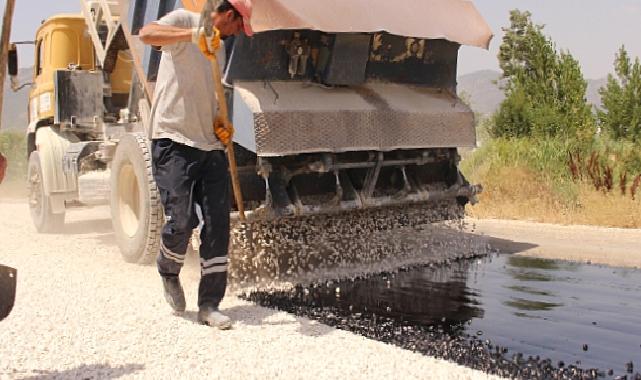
80, 127
353, 118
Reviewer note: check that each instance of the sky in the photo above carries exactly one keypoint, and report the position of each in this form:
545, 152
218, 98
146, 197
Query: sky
592, 30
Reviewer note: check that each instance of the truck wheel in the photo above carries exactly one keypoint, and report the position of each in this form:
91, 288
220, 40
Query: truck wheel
136, 211
39, 202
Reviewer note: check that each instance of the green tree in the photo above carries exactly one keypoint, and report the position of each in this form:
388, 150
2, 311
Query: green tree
545, 89
621, 99
570, 96
513, 51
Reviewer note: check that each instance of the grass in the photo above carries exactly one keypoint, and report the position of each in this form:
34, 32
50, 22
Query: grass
13, 146
530, 180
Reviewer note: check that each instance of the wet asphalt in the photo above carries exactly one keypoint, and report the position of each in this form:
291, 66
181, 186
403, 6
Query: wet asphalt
513, 316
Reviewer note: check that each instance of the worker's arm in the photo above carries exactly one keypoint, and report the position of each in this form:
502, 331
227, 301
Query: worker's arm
162, 35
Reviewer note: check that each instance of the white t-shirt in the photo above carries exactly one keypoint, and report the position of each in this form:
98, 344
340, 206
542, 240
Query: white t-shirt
184, 103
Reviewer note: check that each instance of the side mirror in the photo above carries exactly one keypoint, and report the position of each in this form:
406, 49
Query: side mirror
12, 64
13, 60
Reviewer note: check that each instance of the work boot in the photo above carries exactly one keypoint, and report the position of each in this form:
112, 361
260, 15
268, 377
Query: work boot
212, 317
174, 294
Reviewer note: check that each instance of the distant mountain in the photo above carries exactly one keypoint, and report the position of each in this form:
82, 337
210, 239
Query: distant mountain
14, 112
593, 95
480, 88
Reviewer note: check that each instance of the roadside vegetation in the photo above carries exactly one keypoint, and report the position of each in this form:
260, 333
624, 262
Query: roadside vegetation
13, 146
546, 154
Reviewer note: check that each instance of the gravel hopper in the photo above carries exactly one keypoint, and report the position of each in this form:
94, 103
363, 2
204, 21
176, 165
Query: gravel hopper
346, 116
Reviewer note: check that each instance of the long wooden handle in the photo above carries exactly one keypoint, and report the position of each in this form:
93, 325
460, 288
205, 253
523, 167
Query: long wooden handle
224, 115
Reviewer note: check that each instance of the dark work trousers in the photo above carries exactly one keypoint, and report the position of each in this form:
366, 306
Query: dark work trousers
188, 177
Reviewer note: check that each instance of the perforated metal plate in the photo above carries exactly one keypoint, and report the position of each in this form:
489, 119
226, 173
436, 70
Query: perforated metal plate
285, 118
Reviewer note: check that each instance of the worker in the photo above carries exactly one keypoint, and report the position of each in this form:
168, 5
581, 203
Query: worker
188, 159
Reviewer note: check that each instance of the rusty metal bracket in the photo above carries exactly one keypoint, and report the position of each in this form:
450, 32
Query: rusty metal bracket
339, 190
372, 178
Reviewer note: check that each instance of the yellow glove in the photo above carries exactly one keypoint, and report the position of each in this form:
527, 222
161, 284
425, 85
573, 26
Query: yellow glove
224, 131
208, 46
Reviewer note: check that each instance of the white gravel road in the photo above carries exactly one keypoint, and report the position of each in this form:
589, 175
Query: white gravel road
596, 245
81, 312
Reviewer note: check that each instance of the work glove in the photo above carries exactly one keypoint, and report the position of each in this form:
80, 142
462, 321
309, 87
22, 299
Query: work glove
208, 46
224, 131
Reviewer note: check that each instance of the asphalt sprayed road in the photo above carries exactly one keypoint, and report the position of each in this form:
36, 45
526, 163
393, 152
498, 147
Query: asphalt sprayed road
509, 315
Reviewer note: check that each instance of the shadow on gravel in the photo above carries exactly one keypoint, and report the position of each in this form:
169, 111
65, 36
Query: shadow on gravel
106, 239
509, 246
191, 316
100, 230
251, 315
258, 316
86, 371
83, 227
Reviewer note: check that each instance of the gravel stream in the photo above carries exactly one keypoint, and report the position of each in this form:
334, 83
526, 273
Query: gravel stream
81, 312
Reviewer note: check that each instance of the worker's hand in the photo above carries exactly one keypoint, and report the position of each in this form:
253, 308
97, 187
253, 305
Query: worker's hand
208, 46
224, 131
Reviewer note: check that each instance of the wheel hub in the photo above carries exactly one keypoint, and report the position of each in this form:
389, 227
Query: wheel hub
35, 193
128, 200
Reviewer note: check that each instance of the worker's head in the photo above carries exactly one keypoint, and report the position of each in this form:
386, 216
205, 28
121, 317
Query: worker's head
232, 17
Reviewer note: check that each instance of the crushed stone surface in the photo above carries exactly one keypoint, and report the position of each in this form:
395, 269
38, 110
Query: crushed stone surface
588, 244
82, 312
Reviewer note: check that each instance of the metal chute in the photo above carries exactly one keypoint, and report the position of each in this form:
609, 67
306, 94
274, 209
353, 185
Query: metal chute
455, 20
346, 113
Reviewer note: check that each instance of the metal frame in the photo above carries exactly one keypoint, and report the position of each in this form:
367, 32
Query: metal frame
98, 13
420, 197
283, 199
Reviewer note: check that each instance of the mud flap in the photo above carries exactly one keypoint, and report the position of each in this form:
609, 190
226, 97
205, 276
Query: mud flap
57, 183
8, 278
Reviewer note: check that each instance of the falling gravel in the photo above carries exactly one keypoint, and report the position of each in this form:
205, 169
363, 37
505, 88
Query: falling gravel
81, 312
272, 254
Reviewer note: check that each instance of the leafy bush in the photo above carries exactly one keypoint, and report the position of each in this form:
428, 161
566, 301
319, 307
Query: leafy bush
13, 146
621, 97
549, 161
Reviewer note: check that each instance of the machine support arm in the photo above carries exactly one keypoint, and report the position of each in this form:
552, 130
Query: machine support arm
4, 46
4, 52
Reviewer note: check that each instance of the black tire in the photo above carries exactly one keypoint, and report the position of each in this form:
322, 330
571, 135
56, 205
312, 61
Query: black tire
136, 211
42, 215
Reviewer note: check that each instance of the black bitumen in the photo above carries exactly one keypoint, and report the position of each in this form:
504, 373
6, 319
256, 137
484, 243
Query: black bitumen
513, 316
